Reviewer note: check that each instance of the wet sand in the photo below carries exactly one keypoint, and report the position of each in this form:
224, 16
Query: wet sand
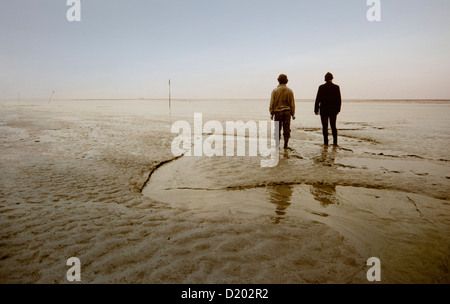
75, 182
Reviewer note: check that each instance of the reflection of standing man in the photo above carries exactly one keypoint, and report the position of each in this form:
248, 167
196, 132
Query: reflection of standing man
280, 195
328, 101
282, 106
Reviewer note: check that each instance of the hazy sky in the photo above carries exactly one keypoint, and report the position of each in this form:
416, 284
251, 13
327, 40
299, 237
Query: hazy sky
223, 48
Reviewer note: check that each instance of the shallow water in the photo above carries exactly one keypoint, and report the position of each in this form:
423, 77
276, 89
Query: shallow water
386, 187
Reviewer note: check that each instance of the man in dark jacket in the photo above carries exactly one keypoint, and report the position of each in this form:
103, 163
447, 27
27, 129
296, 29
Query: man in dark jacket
282, 107
328, 103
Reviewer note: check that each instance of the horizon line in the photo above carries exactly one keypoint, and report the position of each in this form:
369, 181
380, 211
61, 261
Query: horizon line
224, 98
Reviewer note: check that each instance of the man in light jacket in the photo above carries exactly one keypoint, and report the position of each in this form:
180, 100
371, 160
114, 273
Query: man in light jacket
282, 107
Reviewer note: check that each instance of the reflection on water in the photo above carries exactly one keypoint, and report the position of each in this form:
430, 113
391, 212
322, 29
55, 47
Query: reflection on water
304, 187
280, 196
325, 193
378, 222
327, 156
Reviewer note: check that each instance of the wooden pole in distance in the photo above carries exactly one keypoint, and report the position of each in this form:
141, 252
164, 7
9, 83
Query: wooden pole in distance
51, 96
170, 102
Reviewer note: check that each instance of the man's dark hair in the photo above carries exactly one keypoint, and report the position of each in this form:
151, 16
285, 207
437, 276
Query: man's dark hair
328, 77
282, 79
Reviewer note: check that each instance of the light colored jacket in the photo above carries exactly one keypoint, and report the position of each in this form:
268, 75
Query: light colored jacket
282, 99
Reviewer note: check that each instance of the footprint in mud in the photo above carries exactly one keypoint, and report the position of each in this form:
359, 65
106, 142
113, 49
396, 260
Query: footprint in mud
423, 174
319, 213
345, 149
291, 153
360, 139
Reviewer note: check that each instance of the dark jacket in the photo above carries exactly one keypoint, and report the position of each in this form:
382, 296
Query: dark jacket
328, 99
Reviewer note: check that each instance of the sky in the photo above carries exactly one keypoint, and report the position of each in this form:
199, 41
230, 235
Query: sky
223, 48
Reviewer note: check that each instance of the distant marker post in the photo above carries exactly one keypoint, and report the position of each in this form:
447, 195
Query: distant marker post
51, 96
170, 103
